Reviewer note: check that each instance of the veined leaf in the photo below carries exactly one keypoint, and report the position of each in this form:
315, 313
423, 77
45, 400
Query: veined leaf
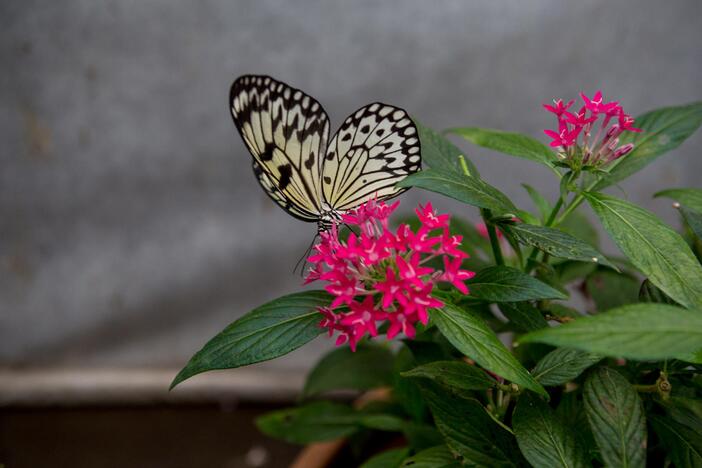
683, 444
434, 457
690, 197
650, 293
471, 336
693, 219
453, 374
557, 243
616, 417
267, 332
663, 130
439, 153
636, 331
577, 224
507, 284
654, 248
514, 144
318, 421
469, 431
523, 315
563, 365
467, 189
369, 367
609, 289
542, 437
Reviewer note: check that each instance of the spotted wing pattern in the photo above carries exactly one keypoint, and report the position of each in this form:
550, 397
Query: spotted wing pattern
286, 132
376, 147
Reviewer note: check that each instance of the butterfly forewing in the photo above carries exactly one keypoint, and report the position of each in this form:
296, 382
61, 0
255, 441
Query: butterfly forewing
376, 147
277, 196
286, 131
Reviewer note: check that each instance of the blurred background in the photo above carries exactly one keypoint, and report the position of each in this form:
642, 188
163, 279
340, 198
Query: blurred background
132, 229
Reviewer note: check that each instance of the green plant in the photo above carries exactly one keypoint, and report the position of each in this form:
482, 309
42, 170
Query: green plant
617, 382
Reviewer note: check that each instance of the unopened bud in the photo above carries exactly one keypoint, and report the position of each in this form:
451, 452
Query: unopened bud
614, 129
626, 149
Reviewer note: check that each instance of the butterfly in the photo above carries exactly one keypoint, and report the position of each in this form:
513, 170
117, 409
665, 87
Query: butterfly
312, 177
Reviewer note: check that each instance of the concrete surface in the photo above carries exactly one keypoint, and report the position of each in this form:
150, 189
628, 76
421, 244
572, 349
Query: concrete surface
131, 227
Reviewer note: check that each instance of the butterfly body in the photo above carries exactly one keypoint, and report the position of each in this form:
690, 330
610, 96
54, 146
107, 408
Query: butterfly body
313, 177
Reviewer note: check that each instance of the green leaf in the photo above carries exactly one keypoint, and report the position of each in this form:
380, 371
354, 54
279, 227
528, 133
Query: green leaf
507, 284
542, 437
388, 459
471, 336
616, 417
434, 457
650, 293
693, 219
314, 422
654, 248
570, 270
514, 144
523, 315
663, 130
690, 197
422, 436
369, 367
557, 243
439, 153
577, 224
406, 391
469, 431
684, 445
610, 289
540, 202
563, 365
267, 332
466, 189
636, 331
453, 374
382, 422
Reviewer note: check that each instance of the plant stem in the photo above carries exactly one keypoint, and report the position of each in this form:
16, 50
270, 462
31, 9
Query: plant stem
554, 212
492, 233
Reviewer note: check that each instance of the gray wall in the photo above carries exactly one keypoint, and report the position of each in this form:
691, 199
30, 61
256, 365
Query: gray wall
131, 227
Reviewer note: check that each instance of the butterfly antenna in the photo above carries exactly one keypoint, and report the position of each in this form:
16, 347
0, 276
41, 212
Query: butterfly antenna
303, 260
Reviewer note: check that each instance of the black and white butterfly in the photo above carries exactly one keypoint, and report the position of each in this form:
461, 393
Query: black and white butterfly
311, 177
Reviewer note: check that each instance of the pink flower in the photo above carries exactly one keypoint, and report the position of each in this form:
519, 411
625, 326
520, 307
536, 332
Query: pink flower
558, 108
580, 118
626, 122
450, 244
429, 219
576, 139
380, 275
564, 138
454, 275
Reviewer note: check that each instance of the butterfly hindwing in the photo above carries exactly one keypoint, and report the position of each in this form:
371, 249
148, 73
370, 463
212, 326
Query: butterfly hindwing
286, 132
376, 147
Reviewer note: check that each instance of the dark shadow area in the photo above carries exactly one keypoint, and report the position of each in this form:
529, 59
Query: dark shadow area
157, 437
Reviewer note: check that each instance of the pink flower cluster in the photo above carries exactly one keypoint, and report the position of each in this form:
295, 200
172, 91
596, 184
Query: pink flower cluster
575, 130
378, 275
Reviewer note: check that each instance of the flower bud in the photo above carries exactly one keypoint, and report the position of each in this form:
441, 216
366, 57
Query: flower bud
626, 149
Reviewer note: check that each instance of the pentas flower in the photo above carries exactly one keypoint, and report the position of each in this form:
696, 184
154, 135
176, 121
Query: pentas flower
576, 138
379, 275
